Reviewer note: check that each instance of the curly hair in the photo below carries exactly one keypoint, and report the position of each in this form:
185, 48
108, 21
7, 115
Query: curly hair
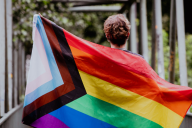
116, 29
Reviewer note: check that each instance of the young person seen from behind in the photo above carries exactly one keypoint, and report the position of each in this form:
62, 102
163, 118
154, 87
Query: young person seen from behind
117, 31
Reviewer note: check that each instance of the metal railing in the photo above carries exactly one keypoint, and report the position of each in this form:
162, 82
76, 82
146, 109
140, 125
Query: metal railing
12, 65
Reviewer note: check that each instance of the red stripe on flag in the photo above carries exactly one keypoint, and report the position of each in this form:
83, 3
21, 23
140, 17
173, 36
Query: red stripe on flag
101, 62
129, 61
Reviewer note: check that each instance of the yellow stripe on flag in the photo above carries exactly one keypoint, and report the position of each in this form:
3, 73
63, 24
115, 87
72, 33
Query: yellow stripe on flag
130, 101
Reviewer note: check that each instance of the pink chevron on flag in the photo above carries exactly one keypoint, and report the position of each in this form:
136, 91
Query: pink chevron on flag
44, 73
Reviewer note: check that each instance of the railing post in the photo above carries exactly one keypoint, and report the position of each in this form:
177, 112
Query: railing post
172, 40
19, 87
23, 70
159, 37
15, 73
2, 57
126, 44
143, 29
153, 41
9, 51
133, 33
181, 42
6, 64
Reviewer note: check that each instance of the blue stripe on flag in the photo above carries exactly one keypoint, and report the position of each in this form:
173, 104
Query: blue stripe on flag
75, 119
57, 80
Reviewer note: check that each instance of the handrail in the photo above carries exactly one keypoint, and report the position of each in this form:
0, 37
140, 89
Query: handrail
189, 114
8, 114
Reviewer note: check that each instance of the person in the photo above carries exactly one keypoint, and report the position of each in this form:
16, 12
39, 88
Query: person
117, 31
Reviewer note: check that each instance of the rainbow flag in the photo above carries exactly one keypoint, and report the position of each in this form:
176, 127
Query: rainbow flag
73, 83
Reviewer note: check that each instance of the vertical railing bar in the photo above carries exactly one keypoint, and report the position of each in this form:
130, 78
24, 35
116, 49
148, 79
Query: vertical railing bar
126, 44
133, 37
181, 42
9, 50
129, 40
153, 41
172, 40
16, 72
6, 63
13, 81
159, 38
20, 71
23, 70
143, 29
2, 58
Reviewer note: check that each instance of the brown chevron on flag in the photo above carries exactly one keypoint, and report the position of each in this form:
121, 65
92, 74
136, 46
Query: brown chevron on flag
74, 83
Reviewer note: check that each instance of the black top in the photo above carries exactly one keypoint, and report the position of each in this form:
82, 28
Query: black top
133, 53
130, 52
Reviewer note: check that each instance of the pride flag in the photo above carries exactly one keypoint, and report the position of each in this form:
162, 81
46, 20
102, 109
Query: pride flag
73, 83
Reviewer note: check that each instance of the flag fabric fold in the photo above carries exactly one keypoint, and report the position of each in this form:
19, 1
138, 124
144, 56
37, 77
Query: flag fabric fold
78, 84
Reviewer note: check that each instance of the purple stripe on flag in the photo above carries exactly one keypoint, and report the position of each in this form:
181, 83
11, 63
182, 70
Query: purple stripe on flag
48, 121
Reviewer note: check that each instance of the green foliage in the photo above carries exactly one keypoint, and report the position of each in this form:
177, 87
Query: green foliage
85, 25
166, 53
188, 42
190, 110
166, 50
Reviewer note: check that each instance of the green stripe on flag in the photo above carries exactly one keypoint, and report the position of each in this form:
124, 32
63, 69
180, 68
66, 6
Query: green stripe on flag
110, 113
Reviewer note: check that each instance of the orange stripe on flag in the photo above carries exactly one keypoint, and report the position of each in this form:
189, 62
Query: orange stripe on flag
131, 81
129, 61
